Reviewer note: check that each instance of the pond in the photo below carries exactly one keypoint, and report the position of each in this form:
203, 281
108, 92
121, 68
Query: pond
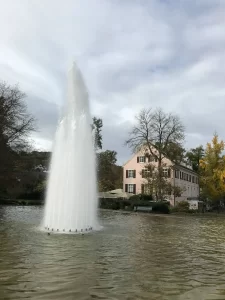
134, 256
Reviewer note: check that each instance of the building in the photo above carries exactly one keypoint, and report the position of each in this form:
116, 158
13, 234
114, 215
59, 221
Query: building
181, 175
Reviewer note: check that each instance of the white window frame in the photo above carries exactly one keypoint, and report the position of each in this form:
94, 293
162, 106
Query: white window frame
130, 174
145, 172
147, 189
165, 172
130, 185
140, 159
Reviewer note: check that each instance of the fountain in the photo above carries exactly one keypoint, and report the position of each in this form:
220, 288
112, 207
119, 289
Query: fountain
71, 200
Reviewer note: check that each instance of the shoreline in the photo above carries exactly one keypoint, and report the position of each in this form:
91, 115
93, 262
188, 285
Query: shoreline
23, 202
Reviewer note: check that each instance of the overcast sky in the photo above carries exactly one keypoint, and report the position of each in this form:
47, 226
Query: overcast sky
132, 53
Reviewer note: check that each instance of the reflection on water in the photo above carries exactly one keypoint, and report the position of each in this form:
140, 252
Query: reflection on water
135, 256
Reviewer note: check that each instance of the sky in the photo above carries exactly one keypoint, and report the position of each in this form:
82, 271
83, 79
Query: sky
133, 54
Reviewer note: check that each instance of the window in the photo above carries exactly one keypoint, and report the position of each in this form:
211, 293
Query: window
166, 172
190, 178
145, 173
141, 159
146, 189
176, 174
181, 175
193, 179
142, 188
130, 188
130, 173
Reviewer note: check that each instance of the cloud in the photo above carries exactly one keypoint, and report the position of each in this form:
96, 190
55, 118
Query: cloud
47, 116
133, 54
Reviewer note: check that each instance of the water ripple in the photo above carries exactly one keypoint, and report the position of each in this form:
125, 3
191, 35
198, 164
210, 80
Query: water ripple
136, 256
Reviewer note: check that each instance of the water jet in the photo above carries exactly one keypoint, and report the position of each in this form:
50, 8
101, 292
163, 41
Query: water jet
71, 200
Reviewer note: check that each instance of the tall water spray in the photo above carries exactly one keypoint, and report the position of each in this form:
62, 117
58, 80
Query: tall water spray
71, 201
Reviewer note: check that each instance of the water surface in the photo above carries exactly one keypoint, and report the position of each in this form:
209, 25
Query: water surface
135, 256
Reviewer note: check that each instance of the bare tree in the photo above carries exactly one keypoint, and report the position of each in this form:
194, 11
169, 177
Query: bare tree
153, 181
156, 131
16, 124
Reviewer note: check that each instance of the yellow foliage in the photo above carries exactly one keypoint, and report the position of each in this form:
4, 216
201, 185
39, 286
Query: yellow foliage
213, 169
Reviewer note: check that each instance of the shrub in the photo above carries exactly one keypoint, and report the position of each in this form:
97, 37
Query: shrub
145, 197
135, 197
36, 195
141, 203
161, 207
115, 205
141, 197
182, 206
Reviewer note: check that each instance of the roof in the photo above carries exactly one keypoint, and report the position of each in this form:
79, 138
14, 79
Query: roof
174, 163
130, 158
186, 168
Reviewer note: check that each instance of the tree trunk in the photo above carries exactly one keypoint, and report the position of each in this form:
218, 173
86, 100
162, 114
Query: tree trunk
160, 177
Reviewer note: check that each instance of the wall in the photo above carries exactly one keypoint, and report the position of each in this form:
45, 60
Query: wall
190, 189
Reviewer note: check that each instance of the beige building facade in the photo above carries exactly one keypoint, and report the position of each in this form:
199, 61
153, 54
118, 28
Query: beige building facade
181, 175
